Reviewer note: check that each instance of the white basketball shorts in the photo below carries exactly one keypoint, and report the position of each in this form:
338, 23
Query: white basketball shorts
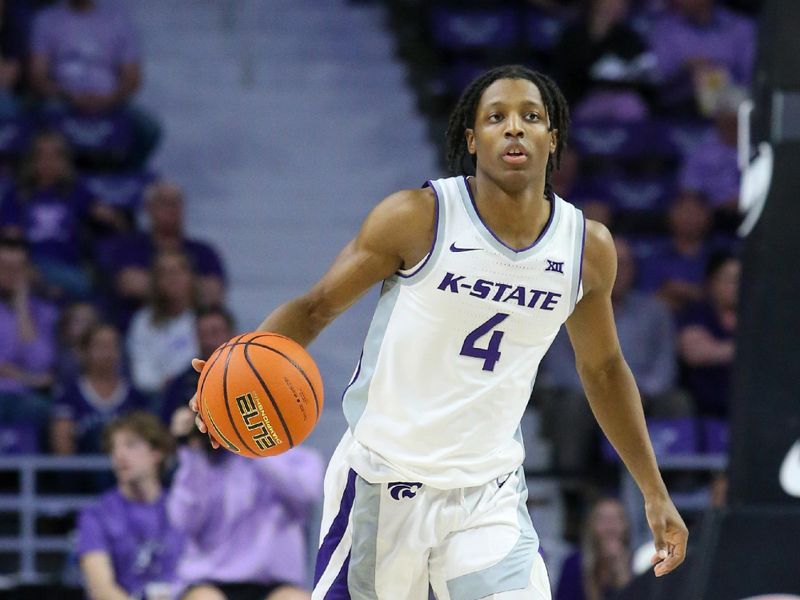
390, 541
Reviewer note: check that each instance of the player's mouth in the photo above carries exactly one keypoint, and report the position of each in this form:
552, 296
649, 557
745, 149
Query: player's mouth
515, 154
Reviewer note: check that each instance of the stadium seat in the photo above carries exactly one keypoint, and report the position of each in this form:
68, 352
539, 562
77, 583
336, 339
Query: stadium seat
472, 29
18, 439
715, 435
668, 436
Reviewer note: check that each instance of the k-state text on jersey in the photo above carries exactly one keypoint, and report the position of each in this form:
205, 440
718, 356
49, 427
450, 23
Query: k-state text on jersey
499, 292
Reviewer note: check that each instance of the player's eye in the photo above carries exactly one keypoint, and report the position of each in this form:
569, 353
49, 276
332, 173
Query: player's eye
532, 116
495, 118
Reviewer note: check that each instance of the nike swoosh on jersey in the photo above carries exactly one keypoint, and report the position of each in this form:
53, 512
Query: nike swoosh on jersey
790, 471
454, 248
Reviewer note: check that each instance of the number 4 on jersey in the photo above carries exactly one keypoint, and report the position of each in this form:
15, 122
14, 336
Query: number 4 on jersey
490, 354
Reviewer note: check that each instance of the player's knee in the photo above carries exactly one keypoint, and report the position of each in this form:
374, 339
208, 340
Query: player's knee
287, 592
203, 592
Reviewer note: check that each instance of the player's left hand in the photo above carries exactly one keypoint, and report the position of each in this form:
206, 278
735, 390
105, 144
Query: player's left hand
669, 534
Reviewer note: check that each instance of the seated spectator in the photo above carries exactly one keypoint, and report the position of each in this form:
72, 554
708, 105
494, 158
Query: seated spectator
603, 564
706, 337
162, 338
647, 338
701, 49
130, 258
86, 56
76, 320
126, 546
676, 269
27, 340
602, 64
214, 327
245, 520
91, 401
711, 168
51, 209
9, 64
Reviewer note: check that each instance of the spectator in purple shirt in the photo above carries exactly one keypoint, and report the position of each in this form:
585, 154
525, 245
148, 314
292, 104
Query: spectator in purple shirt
76, 320
706, 337
676, 269
86, 54
701, 48
126, 546
27, 340
245, 520
128, 259
711, 168
50, 208
101, 393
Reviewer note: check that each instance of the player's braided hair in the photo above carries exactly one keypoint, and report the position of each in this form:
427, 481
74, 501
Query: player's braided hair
463, 117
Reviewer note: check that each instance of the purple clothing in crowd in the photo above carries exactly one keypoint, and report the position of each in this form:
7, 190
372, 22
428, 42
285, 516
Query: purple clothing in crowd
647, 337
51, 220
86, 48
35, 356
137, 536
570, 583
244, 520
80, 403
667, 264
728, 41
138, 250
709, 385
711, 168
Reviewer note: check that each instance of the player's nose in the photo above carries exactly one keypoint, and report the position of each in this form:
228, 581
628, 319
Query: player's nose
514, 127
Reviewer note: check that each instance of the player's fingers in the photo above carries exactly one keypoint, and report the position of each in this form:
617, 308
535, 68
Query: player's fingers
200, 424
658, 556
214, 443
198, 364
193, 403
676, 552
669, 564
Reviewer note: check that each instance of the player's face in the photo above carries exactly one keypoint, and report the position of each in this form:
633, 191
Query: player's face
511, 136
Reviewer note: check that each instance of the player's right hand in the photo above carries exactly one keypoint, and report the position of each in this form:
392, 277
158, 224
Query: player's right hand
197, 365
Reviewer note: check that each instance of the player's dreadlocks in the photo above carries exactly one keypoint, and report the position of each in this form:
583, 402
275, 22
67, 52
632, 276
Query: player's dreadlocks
463, 117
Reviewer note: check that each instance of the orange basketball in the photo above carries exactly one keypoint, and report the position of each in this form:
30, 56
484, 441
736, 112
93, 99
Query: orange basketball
260, 394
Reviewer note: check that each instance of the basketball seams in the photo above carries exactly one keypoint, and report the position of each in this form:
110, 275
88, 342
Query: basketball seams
299, 369
269, 395
227, 402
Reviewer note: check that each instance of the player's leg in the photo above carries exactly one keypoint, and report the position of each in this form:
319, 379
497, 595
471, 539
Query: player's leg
373, 541
494, 551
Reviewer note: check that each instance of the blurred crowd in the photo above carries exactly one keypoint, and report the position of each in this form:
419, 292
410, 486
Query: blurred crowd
104, 301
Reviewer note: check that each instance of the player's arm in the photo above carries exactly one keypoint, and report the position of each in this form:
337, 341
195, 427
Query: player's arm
614, 398
98, 573
396, 234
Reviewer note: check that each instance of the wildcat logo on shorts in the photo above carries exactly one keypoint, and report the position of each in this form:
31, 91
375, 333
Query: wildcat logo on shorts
404, 489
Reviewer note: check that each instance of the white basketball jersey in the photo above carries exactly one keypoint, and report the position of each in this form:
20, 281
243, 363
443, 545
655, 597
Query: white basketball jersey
452, 352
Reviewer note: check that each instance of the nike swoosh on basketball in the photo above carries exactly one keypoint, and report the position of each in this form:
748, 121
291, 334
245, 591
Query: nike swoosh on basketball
790, 471
454, 248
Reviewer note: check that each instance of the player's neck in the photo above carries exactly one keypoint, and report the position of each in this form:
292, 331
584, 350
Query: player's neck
517, 216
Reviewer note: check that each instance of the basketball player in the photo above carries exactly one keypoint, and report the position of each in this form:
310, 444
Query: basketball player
479, 273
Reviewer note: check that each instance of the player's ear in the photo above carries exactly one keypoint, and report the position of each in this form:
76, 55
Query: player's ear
469, 135
553, 140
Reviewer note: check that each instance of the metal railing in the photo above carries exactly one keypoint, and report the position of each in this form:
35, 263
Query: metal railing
28, 504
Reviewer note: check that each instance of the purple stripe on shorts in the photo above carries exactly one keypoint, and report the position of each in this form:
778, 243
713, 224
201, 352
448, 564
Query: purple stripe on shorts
337, 529
338, 589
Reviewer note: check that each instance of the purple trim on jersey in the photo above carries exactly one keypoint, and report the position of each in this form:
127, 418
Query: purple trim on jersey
489, 229
338, 589
583, 248
355, 375
337, 529
429, 184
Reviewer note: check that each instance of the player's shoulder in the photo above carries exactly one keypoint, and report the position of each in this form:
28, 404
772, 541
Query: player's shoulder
599, 257
410, 202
